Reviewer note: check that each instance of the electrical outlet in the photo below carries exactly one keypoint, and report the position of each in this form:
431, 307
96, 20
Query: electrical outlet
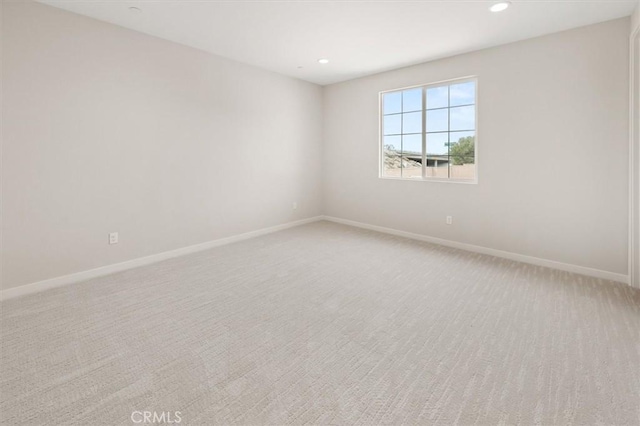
449, 220
113, 238
295, 205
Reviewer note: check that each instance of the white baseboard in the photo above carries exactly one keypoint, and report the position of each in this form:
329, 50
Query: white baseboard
141, 261
597, 273
117, 267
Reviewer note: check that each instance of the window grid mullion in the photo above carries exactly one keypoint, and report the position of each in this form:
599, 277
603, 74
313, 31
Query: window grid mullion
443, 131
406, 112
401, 133
431, 133
424, 132
417, 133
449, 132
435, 109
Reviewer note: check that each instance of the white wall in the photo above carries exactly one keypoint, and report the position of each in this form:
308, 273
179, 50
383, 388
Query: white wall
635, 176
106, 129
553, 151
635, 18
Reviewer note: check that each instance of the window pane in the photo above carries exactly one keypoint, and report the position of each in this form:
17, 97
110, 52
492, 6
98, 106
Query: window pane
411, 167
463, 118
393, 143
392, 124
438, 120
391, 151
465, 171
463, 93
392, 102
412, 144
438, 166
437, 143
456, 136
462, 148
412, 122
412, 100
438, 97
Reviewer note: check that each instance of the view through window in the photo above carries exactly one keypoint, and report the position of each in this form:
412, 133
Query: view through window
429, 132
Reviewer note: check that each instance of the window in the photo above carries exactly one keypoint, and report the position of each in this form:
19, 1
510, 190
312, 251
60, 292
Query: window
429, 132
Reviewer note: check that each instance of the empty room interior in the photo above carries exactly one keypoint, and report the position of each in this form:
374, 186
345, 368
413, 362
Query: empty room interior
320, 212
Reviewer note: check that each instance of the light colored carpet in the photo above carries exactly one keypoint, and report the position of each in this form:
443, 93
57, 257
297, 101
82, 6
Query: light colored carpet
326, 324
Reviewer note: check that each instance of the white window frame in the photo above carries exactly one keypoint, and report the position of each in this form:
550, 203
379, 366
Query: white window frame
424, 87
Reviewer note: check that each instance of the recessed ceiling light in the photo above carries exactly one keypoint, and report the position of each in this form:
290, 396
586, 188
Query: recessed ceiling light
499, 7
134, 9
323, 61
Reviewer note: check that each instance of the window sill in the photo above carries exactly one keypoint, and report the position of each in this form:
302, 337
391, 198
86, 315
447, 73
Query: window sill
439, 180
